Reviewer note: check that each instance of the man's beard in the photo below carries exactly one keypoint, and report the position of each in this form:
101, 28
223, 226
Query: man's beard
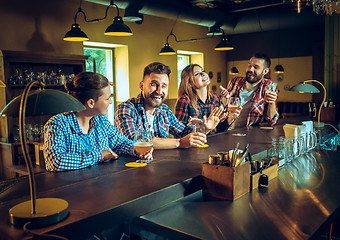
256, 77
153, 103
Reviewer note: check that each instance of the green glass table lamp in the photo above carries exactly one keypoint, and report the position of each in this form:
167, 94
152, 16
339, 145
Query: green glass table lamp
303, 87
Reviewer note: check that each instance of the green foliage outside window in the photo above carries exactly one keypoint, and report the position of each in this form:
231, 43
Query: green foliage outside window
100, 59
182, 62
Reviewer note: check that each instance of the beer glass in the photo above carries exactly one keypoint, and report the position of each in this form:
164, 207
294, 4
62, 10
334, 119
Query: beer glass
318, 137
200, 128
143, 144
293, 148
233, 104
271, 87
303, 143
278, 151
312, 140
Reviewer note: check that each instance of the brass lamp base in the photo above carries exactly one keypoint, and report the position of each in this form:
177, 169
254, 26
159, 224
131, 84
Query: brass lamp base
48, 211
318, 124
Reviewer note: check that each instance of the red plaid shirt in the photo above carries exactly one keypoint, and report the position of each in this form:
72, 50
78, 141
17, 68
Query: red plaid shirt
130, 117
259, 107
184, 108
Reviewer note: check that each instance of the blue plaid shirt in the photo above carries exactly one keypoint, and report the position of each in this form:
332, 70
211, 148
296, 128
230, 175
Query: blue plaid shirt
64, 146
130, 116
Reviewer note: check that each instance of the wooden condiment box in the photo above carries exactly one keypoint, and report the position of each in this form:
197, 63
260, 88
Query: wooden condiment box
271, 172
225, 183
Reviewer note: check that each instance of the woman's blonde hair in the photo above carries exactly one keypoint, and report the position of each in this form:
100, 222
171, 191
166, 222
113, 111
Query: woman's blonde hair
186, 88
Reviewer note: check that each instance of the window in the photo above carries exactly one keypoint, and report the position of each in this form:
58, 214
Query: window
101, 61
184, 58
182, 62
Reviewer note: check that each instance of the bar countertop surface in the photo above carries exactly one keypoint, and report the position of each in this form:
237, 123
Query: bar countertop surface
109, 194
299, 204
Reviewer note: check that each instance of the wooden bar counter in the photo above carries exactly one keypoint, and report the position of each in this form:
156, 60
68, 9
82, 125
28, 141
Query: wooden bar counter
299, 204
108, 195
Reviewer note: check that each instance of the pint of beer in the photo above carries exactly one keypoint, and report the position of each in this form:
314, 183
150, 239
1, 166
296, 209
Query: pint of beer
270, 88
143, 143
233, 104
143, 147
232, 109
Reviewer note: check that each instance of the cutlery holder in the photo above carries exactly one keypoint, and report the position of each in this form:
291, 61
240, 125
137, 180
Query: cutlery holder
225, 183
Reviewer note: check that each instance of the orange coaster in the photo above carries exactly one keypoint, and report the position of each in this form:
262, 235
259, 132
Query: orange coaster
266, 128
203, 146
135, 164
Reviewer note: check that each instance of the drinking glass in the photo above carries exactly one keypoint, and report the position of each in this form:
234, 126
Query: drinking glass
233, 104
278, 152
318, 137
29, 132
35, 133
293, 148
143, 144
200, 128
312, 140
303, 144
41, 132
271, 87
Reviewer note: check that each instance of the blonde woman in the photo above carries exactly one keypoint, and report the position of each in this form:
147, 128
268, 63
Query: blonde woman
195, 103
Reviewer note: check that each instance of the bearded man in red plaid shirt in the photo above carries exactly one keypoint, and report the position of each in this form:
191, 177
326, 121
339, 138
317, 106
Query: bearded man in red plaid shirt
147, 112
257, 104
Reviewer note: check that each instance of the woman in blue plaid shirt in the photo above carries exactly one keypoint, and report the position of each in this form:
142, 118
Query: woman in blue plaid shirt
84, 138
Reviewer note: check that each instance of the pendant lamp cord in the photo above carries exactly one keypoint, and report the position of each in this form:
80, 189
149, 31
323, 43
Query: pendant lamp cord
186, 40
278, 49
80, 10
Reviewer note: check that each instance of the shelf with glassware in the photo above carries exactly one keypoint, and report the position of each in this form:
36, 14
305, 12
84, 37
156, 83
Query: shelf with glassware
51, 75
17, 69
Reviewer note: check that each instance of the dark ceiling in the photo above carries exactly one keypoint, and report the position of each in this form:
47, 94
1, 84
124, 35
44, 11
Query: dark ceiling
232, 6
234, 16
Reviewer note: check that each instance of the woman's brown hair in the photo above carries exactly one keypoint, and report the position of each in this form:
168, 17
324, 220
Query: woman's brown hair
87, 85
186, 88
